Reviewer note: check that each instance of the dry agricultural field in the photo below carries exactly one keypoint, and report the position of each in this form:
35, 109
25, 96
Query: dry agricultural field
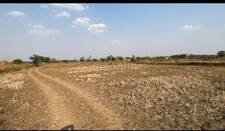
103, 95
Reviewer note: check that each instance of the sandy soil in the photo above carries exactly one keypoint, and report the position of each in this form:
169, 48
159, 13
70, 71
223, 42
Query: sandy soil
124, 96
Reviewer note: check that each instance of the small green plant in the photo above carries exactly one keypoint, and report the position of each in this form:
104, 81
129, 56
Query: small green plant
17, 61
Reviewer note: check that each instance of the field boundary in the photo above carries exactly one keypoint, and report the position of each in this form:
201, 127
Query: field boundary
185, 63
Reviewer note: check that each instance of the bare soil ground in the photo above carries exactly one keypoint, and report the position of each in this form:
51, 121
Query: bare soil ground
114, 96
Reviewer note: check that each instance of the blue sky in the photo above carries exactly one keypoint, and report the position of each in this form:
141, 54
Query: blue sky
68, 31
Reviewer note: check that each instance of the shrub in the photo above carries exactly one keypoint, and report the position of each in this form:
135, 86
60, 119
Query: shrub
74, 60
221, 53
17, 61
82, 59
133, 58
35, 59
89, 58
102, 59
65, 61
52, 60
178, 56
94, 59
119, 58
45, 59
110, 57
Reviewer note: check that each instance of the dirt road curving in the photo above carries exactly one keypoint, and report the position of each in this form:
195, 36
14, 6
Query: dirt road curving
141, 97
69, 105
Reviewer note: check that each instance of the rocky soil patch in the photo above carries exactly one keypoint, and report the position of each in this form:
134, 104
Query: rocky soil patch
156, 96
13, 81
22, 105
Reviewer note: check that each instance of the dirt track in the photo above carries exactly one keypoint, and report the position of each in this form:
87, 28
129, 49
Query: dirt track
113, 97
70, 105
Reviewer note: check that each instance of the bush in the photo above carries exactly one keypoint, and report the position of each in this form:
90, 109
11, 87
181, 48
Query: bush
52, 60
179, 56
119, 58
102, 59
89, 58
82, 59
74, 60
65, 61
110, 57
35, 59
94, 59
17, 61
45, 59
221, 53
133, 58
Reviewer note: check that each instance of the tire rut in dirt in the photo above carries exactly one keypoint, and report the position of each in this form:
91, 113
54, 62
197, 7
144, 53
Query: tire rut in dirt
59, 115
82, 115
111, 119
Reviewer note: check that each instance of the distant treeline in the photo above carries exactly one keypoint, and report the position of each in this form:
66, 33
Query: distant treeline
36, 59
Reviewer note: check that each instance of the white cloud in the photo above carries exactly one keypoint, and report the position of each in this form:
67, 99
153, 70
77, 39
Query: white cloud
63, 14
16, 13
44, 6
77, 7
42, 30
81, 21
116, 41
39, 26
190, 28
85, 22
97, 28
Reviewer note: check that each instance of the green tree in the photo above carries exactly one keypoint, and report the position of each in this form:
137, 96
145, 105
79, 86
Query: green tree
53, 60
65, 61
110, 57
89, 58
133, 58
35, 59
180, 56
82, 59
17, 61
119, 58
127, 57
102, 59
45, 59
94, 59
221, 53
